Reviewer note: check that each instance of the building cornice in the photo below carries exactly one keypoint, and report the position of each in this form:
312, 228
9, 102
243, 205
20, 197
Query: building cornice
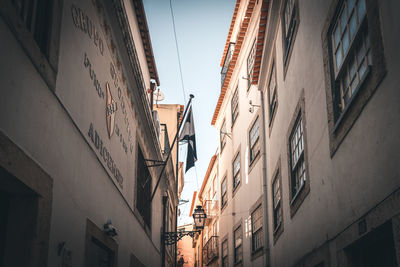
238, 46
209, 169
146, 40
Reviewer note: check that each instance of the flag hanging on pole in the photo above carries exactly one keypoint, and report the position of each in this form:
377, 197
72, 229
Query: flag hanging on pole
189, 136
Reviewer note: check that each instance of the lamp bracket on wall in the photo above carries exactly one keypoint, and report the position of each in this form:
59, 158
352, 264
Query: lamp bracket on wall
251, 108
155, 162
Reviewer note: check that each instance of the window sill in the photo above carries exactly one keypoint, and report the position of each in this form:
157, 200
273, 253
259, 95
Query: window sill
257, 253
236, 188
278, 231
277, 228
297, 194
253, 162
338, 122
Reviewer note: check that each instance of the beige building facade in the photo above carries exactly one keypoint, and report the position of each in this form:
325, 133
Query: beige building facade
78, 137
308, 117
328, 77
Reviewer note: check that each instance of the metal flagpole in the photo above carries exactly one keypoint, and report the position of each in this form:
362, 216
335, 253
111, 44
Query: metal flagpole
172, 146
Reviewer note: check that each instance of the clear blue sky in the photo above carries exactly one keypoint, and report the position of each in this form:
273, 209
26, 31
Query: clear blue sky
201, 27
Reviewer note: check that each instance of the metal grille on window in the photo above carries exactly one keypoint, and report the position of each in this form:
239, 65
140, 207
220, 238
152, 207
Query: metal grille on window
254, 140
238, 244
236, 171
351, 50
35, 15
272, 91
277, 202
297, 157
256, 229
235, 105
250, 64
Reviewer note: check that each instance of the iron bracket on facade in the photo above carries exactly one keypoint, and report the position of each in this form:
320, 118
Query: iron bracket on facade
155, 162
171, 238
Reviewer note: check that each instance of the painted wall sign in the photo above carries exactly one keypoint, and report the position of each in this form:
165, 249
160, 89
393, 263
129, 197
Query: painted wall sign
92, 74
111, 108
97, 97
85, 24
105, 154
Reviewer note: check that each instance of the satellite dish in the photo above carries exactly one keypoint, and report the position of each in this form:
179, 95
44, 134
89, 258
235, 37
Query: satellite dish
158, 95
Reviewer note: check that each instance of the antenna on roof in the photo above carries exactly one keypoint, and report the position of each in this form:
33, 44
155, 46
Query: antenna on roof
158, 95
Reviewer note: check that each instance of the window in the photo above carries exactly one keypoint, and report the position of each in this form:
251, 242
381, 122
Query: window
276, 201
354, 63
214, 187
236, 171
235, 105
224, 196
215, 228
237, 236
290, 22
297, 162
143, 189
256, 229
99, 254
100, 249
224, 253
36, 26
222, 135
272, 97
254, 142
351, 55
36, 17
250, 64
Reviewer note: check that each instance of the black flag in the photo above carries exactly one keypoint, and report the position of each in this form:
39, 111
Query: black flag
189, 136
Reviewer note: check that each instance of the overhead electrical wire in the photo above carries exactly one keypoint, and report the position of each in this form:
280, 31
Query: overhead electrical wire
177, 51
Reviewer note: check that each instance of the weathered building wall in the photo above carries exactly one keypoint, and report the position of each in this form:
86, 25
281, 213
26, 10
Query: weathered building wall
63, 128
348, 182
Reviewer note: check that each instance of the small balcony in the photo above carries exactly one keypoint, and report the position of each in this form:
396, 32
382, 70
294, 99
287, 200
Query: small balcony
210, 250
227, 62
211, 209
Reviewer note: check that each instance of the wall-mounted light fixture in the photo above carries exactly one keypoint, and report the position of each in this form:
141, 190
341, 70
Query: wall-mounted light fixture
251, 108
109, 229
199, 217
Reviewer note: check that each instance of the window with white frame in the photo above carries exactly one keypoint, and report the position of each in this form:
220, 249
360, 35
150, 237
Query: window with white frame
236, 171
214, 187
250, 64
272, 97
222, 135
224, 253
235, 105
297, 160
276, 199
224, 195
254, 142
256, 229
238, 251
350, 51
290, 21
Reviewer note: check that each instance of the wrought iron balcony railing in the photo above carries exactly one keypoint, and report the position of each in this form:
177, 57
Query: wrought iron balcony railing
210, 250
227, 62
211, 208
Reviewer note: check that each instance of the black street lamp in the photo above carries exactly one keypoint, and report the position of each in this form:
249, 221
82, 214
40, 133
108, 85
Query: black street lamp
199, 217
